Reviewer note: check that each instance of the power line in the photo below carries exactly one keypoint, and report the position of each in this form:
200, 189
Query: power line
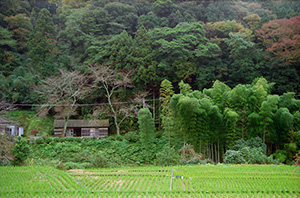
81, 105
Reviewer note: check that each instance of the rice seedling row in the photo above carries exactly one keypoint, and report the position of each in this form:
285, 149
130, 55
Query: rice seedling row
188, 181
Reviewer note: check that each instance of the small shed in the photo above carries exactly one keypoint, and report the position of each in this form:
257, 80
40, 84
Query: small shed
82, 128
10, 127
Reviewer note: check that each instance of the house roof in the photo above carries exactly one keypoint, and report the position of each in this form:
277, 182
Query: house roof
81, 123
5, 122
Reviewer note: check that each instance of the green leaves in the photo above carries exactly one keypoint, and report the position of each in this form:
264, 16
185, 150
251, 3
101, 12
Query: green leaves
147, 128
21, 150
166, 92
180, 48
42, 45
6, 39
224, 115
163, 8
146, 122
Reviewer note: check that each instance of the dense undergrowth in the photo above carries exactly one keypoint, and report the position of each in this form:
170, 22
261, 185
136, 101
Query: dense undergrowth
69, 153
125, 150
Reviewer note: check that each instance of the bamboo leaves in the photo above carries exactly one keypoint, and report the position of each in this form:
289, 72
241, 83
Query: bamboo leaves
221, 115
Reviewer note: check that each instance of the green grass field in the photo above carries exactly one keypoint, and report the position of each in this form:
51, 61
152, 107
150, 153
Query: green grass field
180, 181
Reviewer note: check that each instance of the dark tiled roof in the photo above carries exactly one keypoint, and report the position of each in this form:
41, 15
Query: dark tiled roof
4, 121
82, 123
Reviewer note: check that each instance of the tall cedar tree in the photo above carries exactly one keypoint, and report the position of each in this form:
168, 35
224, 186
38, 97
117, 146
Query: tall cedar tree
42, 45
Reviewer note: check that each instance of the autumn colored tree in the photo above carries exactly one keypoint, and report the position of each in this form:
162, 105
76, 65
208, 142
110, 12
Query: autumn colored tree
217, 31
252, 20
281, 37
20, 26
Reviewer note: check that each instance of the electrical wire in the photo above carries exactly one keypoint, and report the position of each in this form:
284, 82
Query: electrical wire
80, 105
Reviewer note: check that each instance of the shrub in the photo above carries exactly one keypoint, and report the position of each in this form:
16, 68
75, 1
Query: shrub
257, 156
271, 160
74, 165
39, 141
251, 143
206, 161
58, 164
100, 160
6, 155
74, 139
167, 157
62, 139
116, 137
132, 136
82, 156
189, 156
297, 159
21, 150
55, 139
47, 140
234, 157
103, 143
146, 126
248, 152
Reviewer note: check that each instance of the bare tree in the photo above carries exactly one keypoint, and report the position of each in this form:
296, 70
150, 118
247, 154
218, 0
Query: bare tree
61, 93
5, 106
111, 81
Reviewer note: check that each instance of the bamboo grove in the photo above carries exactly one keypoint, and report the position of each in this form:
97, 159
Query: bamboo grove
213, 119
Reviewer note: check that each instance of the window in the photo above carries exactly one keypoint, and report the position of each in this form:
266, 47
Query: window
102, 132
97, 132
69, 132
85, 132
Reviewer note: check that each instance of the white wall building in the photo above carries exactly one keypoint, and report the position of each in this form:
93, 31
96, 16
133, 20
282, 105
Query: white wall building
11, 128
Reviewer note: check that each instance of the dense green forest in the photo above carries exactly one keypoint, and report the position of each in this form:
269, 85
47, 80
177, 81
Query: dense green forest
210, 72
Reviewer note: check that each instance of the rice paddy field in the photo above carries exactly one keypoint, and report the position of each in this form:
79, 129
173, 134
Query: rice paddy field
178, 181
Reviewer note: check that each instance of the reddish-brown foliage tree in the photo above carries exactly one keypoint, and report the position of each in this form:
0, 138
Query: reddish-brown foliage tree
282, 38
297, 159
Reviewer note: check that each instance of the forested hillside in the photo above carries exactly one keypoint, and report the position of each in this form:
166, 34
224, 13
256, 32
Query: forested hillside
211, 72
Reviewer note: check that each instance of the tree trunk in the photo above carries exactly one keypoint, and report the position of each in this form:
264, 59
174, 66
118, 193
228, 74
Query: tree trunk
216, 153
218, 150
153, 106
159, 116
117, 125
213, 152
65, 126
200, 146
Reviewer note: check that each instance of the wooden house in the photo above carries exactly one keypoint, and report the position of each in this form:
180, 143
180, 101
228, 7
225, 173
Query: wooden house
82, 128
10, 127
